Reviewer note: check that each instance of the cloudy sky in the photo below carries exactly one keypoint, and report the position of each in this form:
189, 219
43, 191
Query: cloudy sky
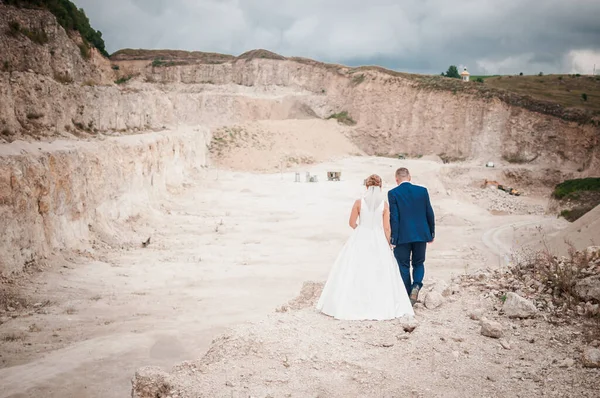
423, 36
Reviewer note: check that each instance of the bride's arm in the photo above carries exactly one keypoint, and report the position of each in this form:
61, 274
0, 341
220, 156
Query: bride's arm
354, 214
386, 223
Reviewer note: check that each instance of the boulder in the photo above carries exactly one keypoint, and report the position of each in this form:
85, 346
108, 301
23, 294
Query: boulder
516, 306
588, 288
593, 251
476, 314
491, 329
591, 357
433, 300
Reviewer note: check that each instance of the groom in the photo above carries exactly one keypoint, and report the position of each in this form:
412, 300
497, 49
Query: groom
413, 226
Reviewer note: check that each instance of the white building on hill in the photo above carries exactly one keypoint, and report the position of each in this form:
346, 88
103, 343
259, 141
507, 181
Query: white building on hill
465, 75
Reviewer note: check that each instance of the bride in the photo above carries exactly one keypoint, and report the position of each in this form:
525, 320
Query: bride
365, 282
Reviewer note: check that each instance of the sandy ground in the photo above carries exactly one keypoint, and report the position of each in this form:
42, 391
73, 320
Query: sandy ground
225, 249
300, 353
280, 145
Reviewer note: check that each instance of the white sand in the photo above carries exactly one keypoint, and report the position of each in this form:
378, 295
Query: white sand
223, 251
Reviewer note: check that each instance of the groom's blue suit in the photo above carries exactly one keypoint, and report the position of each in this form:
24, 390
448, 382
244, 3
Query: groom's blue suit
413, 226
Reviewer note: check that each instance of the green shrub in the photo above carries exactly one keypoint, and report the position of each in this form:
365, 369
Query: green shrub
452, 72
84, 49
14, 28
584, 96
123, 79
577, 185
575, 214
480, 80
158, 62
37, 35
358, 79
69, 17
343, 118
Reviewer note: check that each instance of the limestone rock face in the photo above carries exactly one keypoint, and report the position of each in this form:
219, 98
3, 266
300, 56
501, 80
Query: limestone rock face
69, 192
55, 196
588, 288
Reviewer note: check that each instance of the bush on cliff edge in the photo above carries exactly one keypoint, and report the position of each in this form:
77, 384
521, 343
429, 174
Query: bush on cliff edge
69, 17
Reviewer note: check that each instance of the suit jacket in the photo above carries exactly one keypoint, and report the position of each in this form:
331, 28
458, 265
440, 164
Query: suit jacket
411, 214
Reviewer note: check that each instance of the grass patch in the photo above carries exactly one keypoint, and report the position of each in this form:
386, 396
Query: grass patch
36, 35
84, 50
483, 77
123, 80
570, 187
358, 79
158, 62
161, 63
14, 28
228, 137
343, 118
576, 213
565, 90
13, 337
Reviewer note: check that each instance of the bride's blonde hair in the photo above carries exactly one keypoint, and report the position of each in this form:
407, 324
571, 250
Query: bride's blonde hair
373, 181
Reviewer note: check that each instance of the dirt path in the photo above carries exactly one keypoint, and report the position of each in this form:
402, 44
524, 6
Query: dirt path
224, 250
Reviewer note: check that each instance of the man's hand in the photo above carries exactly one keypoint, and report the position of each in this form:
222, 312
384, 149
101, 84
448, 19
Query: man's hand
431, 241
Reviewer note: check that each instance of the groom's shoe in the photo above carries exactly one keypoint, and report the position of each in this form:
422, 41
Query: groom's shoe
414, 295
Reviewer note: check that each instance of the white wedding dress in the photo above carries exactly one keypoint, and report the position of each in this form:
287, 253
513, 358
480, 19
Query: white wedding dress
365, 282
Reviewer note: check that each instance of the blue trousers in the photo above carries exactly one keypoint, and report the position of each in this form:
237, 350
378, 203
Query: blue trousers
407, 253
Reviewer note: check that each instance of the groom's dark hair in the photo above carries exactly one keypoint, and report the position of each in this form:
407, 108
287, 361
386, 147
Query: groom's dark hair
402, 173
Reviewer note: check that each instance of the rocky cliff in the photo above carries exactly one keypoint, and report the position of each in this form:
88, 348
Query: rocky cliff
64, 195
50, 88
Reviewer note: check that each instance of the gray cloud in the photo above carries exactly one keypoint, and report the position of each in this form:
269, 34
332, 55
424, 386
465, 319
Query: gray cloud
487, 36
